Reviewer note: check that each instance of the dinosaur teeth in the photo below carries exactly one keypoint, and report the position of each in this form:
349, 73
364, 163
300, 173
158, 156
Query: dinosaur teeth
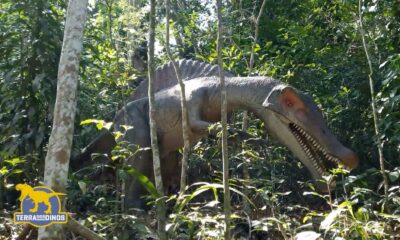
317, 154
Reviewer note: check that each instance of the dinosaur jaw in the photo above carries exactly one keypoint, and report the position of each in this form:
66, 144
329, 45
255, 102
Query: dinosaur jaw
295, 119
321, 159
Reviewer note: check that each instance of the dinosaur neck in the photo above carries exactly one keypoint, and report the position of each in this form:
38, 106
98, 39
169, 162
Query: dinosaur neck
248, 93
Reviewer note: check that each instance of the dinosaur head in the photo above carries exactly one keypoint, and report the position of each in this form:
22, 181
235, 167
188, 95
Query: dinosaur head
20, 186
295, 120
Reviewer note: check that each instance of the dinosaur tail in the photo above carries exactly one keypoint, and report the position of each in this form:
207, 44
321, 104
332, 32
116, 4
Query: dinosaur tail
56, 194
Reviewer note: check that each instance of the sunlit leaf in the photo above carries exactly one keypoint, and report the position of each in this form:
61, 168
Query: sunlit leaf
315, 194
307, 235
330, 219
82, 186
3, 171
345, 204
89, 121
17, 171
15, 161
144, 181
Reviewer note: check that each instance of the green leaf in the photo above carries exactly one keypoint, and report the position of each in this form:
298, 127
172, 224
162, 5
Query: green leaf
389, 216
210, 186
197, 192
100, 124
383, 64
307, 235
345, 204
15, 161
252, 155
17, 171
89, 121
315, 194
393, 176
117, 135
330, 219
3, 171
144, 181
362, 214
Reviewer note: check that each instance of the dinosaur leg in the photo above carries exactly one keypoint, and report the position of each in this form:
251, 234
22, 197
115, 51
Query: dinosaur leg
143, 163
47, 203
171, 172
35, 208
136, 116
134, 191
199, 126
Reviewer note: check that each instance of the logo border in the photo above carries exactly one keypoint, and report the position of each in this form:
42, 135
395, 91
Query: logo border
51, 222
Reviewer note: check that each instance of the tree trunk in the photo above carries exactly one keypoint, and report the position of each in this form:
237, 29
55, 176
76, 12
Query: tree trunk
59, 150
245, 124
160, 203
225, 160
373, 104
185, 120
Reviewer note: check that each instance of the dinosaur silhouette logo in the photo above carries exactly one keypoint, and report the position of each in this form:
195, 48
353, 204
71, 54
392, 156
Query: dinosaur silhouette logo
40, 206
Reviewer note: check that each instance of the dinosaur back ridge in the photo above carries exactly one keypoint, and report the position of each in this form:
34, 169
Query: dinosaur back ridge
165, 77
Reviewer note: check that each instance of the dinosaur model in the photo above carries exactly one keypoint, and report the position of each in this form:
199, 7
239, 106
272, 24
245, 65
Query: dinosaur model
289, 115
36, 196
164, 77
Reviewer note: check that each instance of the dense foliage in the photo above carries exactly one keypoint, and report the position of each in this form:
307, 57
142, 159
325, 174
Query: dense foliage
314, 45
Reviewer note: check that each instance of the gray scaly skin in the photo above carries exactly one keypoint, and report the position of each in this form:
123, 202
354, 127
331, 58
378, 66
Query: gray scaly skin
290, 116
165, 76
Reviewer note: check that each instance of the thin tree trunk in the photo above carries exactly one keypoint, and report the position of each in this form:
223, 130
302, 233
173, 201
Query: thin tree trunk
185, 120
373, 103
160, 203
59, 150
109, 4
225, 160
245, 124
251, 63
256, 31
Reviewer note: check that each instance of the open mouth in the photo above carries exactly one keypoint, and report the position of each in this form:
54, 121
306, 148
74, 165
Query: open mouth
320, 158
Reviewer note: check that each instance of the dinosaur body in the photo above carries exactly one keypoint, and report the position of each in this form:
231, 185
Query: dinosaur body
164, 77
290, 116
36, 196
